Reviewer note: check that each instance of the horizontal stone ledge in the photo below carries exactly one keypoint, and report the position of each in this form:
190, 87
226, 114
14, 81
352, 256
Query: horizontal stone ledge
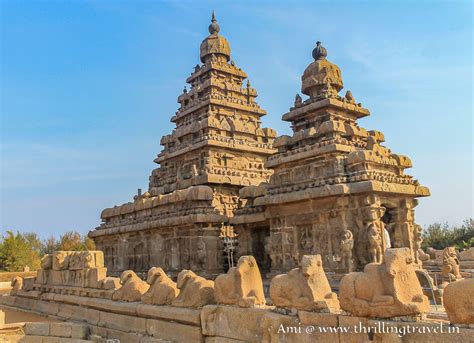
159, 223
342, 189
53, 306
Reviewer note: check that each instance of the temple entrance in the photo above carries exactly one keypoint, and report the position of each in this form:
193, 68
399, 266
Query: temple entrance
259, 239
389, 220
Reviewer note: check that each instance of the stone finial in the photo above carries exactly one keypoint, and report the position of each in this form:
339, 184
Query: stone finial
321, 77
390, 289
214, 44
319, 52
458, 300
214, 27
305, 288
194, 290
162, 289
242, 285
132, 287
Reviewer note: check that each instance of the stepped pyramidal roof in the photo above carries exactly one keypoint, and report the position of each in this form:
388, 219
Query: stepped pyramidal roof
217, 147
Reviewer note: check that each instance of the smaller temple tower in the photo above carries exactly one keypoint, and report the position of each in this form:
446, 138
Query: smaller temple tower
335, 190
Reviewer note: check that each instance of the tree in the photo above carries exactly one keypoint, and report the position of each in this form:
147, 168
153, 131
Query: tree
440, 236
20, 250
49, 245
73, 241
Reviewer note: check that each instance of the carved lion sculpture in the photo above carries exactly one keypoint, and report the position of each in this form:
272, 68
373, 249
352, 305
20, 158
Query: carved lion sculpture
17, 284
162, 289
458, 300
304, 288
450, 269
132, 287
194, 291
242, 285
384, 290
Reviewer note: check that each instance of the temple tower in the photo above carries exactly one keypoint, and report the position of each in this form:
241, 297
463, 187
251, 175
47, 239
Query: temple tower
218, 140
217, 147
335, 190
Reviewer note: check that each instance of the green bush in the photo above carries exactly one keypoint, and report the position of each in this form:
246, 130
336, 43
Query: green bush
440, 236
26, 249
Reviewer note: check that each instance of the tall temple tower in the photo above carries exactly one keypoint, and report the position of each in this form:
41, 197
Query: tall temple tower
217, 147
335, 191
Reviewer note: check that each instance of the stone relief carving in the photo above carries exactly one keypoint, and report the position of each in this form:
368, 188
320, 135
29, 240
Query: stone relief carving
346, 246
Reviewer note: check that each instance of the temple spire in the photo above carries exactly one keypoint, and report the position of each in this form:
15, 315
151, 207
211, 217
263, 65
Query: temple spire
319, 52
214, 27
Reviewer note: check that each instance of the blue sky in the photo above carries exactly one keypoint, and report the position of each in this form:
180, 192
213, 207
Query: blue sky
88, 88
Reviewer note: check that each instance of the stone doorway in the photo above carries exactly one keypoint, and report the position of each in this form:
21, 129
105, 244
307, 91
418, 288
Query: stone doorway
389, 220
260, 237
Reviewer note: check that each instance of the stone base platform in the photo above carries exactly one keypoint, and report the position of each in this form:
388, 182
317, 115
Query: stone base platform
140, 323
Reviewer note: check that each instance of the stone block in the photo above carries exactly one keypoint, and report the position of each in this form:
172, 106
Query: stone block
178, 314
79, 331
60, 329
232, 322
173, 331
458, 300
59, 277
66, 311
38, 329
355, 325
2, 318
38, 339
7, 300
222, 340
115, 334
323, 319
72, 340
284, 328
122, 322
93, 276
151, 340
325, 326
28, 283
47, 307
84, 314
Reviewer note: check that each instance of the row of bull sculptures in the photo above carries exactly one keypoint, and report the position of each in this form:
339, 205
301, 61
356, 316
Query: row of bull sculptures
381, 290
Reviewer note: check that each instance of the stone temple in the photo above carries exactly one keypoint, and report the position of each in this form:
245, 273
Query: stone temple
331, 188
335, 190
217, 147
